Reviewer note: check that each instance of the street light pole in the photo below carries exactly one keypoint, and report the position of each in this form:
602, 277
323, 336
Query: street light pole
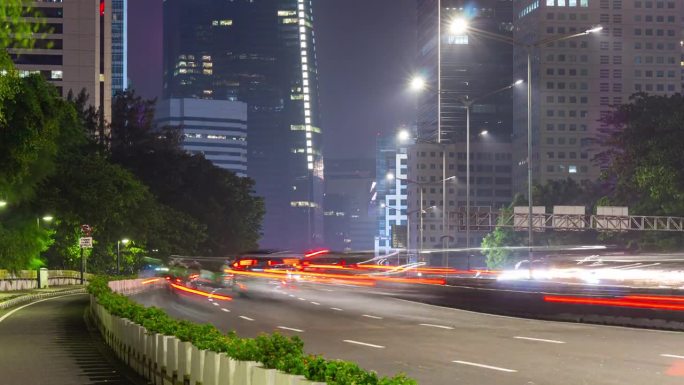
529, 151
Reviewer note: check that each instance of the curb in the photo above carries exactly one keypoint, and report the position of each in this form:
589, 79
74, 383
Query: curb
34, 297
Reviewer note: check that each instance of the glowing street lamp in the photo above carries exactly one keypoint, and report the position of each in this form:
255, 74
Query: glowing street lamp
458, 26
403, 135
417, 83
118, 253
3, 203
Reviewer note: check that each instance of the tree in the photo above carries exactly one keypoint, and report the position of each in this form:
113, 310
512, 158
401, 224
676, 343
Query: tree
15, 32
214, 197
644, 162
498, 245
35, 120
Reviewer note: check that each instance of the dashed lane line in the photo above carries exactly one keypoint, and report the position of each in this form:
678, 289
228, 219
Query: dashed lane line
246, 318
315, 303
539, 340
371, 316
336, 309
291, 329
672, 356
225, 310
485, 366
364, 344
438, 326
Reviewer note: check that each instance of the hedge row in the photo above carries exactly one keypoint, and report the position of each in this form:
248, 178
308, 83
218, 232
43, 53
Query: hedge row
273, 351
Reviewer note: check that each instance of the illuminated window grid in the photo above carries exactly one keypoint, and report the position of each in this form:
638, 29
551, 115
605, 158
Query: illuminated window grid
305, 82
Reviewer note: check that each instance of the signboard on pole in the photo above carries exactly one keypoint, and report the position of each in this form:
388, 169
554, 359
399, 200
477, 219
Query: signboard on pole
86, 242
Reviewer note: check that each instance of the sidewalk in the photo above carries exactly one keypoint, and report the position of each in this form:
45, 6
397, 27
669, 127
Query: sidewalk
51, 342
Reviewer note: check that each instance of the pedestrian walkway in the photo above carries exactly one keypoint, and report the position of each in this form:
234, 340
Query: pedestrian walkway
50, 342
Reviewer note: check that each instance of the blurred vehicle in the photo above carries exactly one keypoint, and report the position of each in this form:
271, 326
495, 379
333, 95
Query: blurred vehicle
258, 268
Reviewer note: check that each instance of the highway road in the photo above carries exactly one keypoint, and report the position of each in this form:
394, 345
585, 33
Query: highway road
438, 345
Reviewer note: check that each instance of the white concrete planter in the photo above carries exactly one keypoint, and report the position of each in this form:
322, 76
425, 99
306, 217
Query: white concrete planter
172, 356
227, 367
287, 379
212, 362
263, 376
162, 358
243, 372
184, 360
197, 368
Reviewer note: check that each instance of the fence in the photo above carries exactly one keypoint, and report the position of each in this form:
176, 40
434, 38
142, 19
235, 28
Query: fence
166, 360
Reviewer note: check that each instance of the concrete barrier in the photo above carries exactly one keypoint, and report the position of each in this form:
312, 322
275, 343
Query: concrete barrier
165, 360
35, 297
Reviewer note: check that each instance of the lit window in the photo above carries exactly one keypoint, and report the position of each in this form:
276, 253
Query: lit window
56, 75
287, 13
572, 169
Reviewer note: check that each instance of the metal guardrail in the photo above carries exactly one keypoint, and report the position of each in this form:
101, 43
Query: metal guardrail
487, 221
34, 297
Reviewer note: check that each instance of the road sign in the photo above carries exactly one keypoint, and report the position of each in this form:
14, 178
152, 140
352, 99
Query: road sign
86, 242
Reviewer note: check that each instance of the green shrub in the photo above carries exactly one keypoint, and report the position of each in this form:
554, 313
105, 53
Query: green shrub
273, 351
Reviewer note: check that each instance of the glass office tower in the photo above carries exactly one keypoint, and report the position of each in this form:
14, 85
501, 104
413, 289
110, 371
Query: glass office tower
261, 53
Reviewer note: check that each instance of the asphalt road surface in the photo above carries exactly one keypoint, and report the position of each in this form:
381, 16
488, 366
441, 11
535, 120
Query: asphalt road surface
436, 345
49, 342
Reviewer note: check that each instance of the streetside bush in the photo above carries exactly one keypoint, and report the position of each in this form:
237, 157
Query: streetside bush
273, 351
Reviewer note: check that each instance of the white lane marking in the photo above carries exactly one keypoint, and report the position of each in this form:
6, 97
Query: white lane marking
538, 340
437, 326
371, 316
33, 303
662, 355
485, 366
225, 310
301, 299
215, 304
336, 309
291, 295
292, 329
246, 318
364, 344
328, 290
211, 300
315, 303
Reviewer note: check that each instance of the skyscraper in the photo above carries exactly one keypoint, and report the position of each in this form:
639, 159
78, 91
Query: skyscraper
119, 45
471, 67
261, 53
75, 52
577, 82
216, 129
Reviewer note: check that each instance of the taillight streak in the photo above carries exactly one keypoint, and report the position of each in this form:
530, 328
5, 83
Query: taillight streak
202, 293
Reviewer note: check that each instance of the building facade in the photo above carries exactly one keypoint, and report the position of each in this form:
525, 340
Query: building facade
471, 67
391, 197
216, 129
261, 53
490, 190
119, 46
349, 215
75, 52
577, 82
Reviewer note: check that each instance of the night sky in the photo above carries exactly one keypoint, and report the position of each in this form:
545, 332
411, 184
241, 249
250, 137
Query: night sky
366, 51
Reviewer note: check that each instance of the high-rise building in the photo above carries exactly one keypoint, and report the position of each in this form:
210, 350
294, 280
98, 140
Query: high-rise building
471, 67
74, 53
391, 197
119, 45
261, 53
576, 82
490, 190
216, 129
350, 218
